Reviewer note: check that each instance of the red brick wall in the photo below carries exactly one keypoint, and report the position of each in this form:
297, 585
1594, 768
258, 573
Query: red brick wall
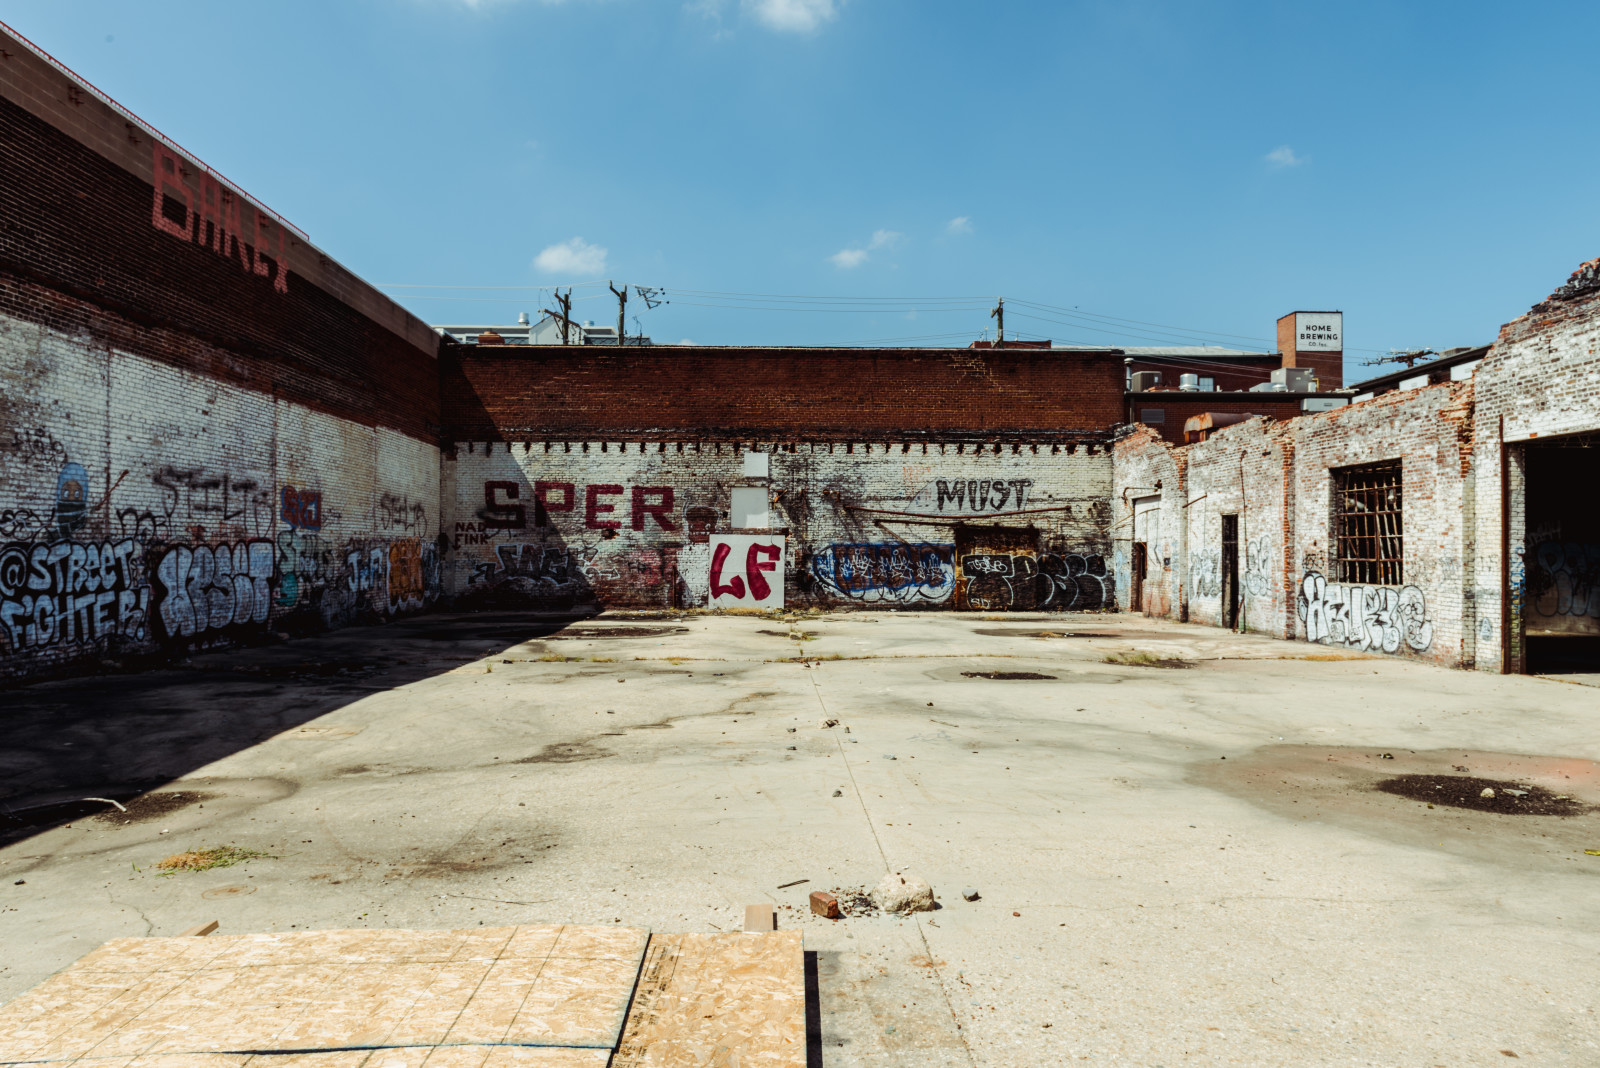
516, 393
1179, 407
85, 249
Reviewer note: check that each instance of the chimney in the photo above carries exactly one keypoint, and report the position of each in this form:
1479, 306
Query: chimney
489, 337
1315, 340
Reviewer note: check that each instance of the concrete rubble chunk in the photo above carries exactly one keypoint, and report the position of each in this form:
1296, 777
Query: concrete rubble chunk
903, 893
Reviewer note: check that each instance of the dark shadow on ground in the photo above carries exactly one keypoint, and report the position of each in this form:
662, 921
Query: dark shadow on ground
118, 736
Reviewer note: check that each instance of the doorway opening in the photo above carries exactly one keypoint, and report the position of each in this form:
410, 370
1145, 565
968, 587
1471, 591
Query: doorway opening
1561, 539
1230, 572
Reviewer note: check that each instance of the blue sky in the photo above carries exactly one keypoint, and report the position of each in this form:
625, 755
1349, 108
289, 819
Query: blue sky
1429, 168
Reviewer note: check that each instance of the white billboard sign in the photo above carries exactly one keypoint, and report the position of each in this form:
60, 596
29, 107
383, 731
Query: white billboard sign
746, 571
1319, 332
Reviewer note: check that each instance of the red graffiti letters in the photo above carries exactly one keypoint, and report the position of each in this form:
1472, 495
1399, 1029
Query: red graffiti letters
498, 514
210, 214
662, 509
734, 587
761, 558
302, 508
544, 505
592, 508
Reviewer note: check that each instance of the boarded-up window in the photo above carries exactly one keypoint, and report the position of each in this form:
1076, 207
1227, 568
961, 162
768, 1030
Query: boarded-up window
1152, 415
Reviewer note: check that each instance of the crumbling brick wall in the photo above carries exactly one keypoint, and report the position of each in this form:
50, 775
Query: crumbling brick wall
209, 431
1276, 477
1540, 380
1147, 524
868, 523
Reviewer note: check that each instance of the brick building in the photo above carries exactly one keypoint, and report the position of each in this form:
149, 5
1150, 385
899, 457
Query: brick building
1435, 521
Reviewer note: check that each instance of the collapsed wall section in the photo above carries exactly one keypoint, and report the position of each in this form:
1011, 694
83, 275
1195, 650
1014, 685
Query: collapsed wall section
559, 524
209, 431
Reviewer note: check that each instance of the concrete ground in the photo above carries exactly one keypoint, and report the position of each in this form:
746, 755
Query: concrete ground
1143, 901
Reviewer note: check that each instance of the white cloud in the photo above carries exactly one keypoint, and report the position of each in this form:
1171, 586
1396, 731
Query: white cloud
572, 257
792, 16
847, 258
1283, 156
961, 224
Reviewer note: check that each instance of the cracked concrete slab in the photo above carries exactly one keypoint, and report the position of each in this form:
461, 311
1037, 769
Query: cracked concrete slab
1138, 903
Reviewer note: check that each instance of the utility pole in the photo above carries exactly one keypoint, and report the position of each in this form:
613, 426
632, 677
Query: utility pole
998, 314
622, 308
565, 315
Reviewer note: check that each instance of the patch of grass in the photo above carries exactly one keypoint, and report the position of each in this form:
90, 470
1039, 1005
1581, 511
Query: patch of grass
553, 659
602, 660
802, 635
206, 859
1143, 659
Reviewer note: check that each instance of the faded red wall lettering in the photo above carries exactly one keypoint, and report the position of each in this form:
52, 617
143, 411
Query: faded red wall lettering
502, 515
543, 505
662, 509
592, 508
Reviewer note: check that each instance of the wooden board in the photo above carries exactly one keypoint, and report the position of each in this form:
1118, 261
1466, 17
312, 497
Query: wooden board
487, 997
718, 1001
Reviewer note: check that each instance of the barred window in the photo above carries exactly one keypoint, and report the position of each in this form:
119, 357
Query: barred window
1367, 533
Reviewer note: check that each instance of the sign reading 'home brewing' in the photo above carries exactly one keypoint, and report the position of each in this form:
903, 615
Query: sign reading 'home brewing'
1319, 332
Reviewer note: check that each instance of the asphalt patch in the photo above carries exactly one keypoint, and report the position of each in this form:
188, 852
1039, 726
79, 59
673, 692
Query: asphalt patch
1466, 791
1005, 675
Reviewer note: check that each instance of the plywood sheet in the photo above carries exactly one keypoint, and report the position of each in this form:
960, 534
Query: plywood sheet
159, 1002
724, 1000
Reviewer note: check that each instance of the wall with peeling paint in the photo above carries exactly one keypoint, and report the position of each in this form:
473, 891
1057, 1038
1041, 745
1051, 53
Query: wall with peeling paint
624, 522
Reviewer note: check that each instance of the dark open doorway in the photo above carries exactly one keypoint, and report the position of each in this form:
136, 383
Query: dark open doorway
1140, 566
1561, 606
1230, 572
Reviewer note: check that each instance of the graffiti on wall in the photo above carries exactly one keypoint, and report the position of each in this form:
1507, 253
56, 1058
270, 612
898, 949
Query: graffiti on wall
972, 496
209, 587
301, 508
70, 593
1564, 590
400, 512
1205, 574
199, 500
1371, 618
746, 571
1257, 566
887, 572
603, 507
1057, 581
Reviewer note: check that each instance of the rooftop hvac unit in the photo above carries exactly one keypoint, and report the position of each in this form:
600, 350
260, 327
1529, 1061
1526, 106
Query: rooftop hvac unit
1267, 387
1295, 379
1143, 380
1189, 383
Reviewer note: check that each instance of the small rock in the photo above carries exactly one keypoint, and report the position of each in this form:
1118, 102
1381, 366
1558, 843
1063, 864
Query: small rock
1388, 756
829, 723
888, 756
838, 793
970, 894
903, 893
1488, 791
790, 730
791, 747
1517, 793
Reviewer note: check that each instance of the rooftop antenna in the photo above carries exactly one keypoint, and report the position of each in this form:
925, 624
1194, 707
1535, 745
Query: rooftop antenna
1405, 356
998, 314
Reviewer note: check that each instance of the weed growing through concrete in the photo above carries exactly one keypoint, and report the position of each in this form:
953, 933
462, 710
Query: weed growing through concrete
1142, 659
558, 659
206, 859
